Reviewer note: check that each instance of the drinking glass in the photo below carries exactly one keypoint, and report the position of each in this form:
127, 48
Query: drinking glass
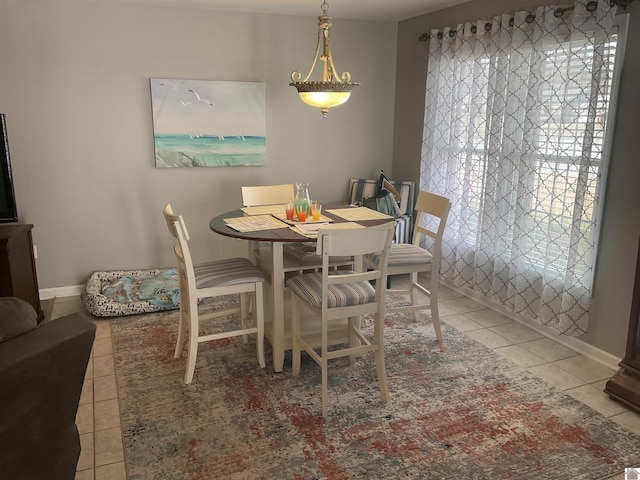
288, 209
316, 210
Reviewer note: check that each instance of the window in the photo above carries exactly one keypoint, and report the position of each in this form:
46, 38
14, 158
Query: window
515, 135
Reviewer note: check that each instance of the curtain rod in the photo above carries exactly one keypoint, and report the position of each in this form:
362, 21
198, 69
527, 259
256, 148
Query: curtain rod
591, 6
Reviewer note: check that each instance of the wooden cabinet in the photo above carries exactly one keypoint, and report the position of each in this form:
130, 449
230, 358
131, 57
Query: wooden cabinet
17, 265
624, 386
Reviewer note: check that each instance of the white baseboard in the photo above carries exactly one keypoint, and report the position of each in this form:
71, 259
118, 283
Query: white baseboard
572, 343
71, 291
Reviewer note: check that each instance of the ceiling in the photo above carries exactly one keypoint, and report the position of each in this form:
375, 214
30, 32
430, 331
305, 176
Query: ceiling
379, 10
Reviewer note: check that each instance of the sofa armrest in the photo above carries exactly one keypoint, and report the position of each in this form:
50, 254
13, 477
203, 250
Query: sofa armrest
42, 373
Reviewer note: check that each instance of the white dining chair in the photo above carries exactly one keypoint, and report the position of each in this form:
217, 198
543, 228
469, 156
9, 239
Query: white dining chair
419, 257
213, 279
263, 195
253, 196
337, 300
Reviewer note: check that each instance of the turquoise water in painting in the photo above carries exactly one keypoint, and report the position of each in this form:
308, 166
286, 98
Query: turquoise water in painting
209, 151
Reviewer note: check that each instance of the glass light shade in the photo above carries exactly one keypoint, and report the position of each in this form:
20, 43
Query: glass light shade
324, 99
334, 89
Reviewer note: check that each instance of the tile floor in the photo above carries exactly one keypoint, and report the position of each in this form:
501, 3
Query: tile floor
98, 418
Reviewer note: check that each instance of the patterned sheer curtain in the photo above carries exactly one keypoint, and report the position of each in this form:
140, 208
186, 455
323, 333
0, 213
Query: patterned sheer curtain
515, 119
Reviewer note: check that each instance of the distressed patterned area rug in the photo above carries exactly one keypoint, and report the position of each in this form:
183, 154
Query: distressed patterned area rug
459, 411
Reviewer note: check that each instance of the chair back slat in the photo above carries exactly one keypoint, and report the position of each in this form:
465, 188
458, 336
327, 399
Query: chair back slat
267, 195
432, 206
178, 230
351, 241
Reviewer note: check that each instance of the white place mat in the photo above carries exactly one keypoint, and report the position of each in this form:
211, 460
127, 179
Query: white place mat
359, 214
254, 223
311, 230
264, 210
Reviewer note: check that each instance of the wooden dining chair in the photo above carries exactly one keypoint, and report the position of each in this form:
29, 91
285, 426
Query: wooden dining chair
210, 280
420, 256
337, 300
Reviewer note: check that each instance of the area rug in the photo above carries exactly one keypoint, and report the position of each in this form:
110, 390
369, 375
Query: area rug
457, 411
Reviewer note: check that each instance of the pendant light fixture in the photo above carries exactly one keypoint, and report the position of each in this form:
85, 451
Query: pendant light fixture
334, 89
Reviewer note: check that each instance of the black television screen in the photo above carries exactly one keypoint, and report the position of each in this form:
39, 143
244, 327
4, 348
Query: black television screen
8, 212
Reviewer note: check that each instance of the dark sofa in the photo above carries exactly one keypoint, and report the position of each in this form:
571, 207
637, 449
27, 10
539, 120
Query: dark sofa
42, 370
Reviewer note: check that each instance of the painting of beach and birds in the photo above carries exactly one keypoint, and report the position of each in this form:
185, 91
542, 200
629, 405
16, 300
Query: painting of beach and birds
203, 123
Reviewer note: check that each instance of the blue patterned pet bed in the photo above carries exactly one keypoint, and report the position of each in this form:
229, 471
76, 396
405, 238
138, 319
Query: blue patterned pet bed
128, 292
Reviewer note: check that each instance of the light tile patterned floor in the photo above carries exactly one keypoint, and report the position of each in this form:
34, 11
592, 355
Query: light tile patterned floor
98, 418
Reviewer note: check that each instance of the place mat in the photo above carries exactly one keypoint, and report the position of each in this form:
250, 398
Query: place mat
254, 223
264, 209
311, 230
358, 214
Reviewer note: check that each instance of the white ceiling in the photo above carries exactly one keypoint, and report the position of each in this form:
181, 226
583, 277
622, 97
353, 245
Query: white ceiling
381, 10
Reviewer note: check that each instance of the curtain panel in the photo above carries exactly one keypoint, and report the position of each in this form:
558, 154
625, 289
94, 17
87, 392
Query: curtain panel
514, 126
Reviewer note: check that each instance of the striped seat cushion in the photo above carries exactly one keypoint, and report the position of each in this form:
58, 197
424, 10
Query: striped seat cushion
404, 254
231, 271
309, 287
404, 224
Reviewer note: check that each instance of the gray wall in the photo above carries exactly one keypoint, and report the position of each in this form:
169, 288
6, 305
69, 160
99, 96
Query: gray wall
611, 302
74, 85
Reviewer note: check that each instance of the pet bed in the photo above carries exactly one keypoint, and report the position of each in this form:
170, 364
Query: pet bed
128, 292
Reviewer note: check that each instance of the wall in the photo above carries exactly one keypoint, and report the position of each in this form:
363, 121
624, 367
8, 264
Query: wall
74, 85
611, 302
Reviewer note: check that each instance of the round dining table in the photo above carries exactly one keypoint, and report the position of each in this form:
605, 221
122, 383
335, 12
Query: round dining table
267, 253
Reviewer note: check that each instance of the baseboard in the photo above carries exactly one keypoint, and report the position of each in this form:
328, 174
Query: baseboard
572, 343
71, 291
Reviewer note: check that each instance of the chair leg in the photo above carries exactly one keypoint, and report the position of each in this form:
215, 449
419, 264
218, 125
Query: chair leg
295, 336
182, 330
324, 366
244, 314
380, 362
354, 341
435, 316
325, 388
193, 345
413, 278
259, 310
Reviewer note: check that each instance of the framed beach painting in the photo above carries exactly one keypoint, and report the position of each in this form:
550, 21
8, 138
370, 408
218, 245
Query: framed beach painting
203, 123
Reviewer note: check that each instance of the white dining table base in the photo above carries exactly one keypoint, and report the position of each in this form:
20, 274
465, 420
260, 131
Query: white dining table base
276, 335
270, 260
275, 265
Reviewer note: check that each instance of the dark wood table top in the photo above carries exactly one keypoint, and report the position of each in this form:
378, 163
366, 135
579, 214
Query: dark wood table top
284, 234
